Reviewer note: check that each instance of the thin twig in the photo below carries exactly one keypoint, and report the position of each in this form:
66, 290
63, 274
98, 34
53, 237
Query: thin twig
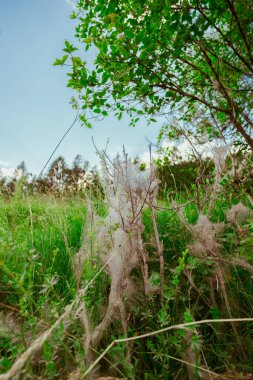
179, 326
15, 371
59, 143
159, 246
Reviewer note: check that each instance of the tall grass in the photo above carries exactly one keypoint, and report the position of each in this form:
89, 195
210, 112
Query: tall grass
39, 237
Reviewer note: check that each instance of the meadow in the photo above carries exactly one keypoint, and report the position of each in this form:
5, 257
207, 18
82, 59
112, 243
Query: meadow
42, 273
140, 270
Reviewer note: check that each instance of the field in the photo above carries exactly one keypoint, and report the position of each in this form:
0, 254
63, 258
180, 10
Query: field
140, 267
40, 237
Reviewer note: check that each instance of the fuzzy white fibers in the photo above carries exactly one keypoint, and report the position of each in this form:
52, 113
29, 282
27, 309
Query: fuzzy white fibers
238, 213
205, 235
219, 157
128, 190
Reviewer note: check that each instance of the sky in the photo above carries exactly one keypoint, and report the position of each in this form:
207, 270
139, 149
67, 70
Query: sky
34, 101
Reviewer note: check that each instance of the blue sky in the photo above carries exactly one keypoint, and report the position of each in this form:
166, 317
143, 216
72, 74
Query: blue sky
34, 100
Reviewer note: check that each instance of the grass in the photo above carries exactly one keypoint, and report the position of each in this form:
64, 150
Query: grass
39, 237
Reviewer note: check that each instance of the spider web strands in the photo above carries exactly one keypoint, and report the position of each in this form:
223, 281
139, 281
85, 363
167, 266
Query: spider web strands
14, 372
59, 143
152, 333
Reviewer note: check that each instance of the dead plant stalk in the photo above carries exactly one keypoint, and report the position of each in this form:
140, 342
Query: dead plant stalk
15, 371
166, 329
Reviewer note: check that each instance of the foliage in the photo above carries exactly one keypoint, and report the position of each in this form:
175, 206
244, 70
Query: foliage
179, 177
40, 238
191, 57
60, 179
187, 256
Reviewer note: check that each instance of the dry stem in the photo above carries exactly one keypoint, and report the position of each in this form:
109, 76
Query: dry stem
16, 369
160, 252
179, 326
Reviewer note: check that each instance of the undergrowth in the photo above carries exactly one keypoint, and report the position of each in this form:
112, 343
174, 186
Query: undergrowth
39, 237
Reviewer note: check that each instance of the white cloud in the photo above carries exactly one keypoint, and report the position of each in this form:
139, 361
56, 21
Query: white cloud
145, 157
186, 150
4, 164
5, 169
183, 149
7, 172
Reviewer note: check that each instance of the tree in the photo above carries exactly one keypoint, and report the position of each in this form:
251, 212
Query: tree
21, 168
58, 165
192, 58
80, 162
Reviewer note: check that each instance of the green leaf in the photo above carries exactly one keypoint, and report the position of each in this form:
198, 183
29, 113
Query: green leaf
73, 16
57, 62
69, 48
167, 58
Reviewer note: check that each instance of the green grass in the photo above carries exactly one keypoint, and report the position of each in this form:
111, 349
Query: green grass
39, 237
